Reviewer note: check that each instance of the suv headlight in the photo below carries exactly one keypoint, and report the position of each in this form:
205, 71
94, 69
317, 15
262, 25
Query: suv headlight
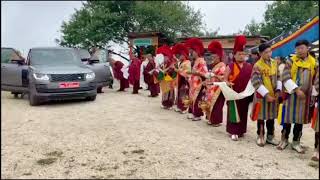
40, 76
90, 76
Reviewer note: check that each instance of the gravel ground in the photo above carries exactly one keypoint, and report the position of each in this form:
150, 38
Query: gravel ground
121, 135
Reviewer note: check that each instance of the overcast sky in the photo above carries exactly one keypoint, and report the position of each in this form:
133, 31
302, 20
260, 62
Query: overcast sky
26, 24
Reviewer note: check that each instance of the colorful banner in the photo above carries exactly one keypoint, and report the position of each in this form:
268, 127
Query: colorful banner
283, 45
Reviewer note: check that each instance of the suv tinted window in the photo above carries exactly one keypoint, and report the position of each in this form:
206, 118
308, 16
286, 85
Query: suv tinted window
54, 57
8, 54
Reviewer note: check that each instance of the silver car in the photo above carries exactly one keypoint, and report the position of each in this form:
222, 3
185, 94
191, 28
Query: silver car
48, 74
97, 62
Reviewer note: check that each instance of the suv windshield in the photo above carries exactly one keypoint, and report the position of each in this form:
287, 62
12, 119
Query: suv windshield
84, 54
53, 57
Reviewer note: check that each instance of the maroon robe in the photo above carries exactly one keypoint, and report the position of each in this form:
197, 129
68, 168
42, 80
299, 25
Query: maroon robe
134, 74
217, 110
240, 84
118, 74
216, 115
195, 109
149, 78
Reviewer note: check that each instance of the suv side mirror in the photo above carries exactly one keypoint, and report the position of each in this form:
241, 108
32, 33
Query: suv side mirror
18, 61
92, 61
84, 59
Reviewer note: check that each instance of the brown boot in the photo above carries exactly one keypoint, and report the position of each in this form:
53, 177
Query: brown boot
271, 140
260, 141
297, 147
315, 156
283, 143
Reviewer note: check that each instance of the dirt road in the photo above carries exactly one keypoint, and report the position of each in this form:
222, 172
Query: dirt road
121, 135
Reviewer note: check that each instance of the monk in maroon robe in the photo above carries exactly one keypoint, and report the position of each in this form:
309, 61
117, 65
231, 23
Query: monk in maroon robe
214, 97
118, 74
184, 66
197, 77
237, 75
134, 74
167, 68
150, 73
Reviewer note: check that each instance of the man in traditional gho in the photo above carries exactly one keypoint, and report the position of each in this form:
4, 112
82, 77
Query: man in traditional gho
199, 70
266, 80
181, 52
297, 79
214, 97
117, 67
166, 77
315, 118
134, 74
237, 75
150, 75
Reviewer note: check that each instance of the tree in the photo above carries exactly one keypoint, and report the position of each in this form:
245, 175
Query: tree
282, 16
252, 29
209, 33
99, 22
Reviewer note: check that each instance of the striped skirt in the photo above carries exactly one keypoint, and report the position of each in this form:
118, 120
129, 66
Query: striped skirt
268, 110
296, 109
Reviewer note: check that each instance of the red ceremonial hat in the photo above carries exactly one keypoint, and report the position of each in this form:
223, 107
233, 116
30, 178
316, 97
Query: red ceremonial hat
165, 50
215, 47
180, 49
239, 43
195, 44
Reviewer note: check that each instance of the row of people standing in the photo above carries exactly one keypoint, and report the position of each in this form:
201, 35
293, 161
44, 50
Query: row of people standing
187, 75
193, 82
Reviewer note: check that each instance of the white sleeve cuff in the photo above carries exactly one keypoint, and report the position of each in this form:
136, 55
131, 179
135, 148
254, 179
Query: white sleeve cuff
279, 85
262, 90
290, 86
314, 91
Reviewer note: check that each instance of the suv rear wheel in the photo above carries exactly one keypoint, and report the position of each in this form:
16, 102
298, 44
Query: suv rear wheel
15, 94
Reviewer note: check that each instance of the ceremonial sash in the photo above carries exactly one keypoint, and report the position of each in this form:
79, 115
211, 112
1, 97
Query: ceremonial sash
233, 110
281, 114
166, 81
314, 115
297, 62
255, 112
267, 71
235, 73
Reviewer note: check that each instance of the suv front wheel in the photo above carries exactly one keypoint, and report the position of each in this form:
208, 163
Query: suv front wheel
33, 100
91, 98
99, 90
